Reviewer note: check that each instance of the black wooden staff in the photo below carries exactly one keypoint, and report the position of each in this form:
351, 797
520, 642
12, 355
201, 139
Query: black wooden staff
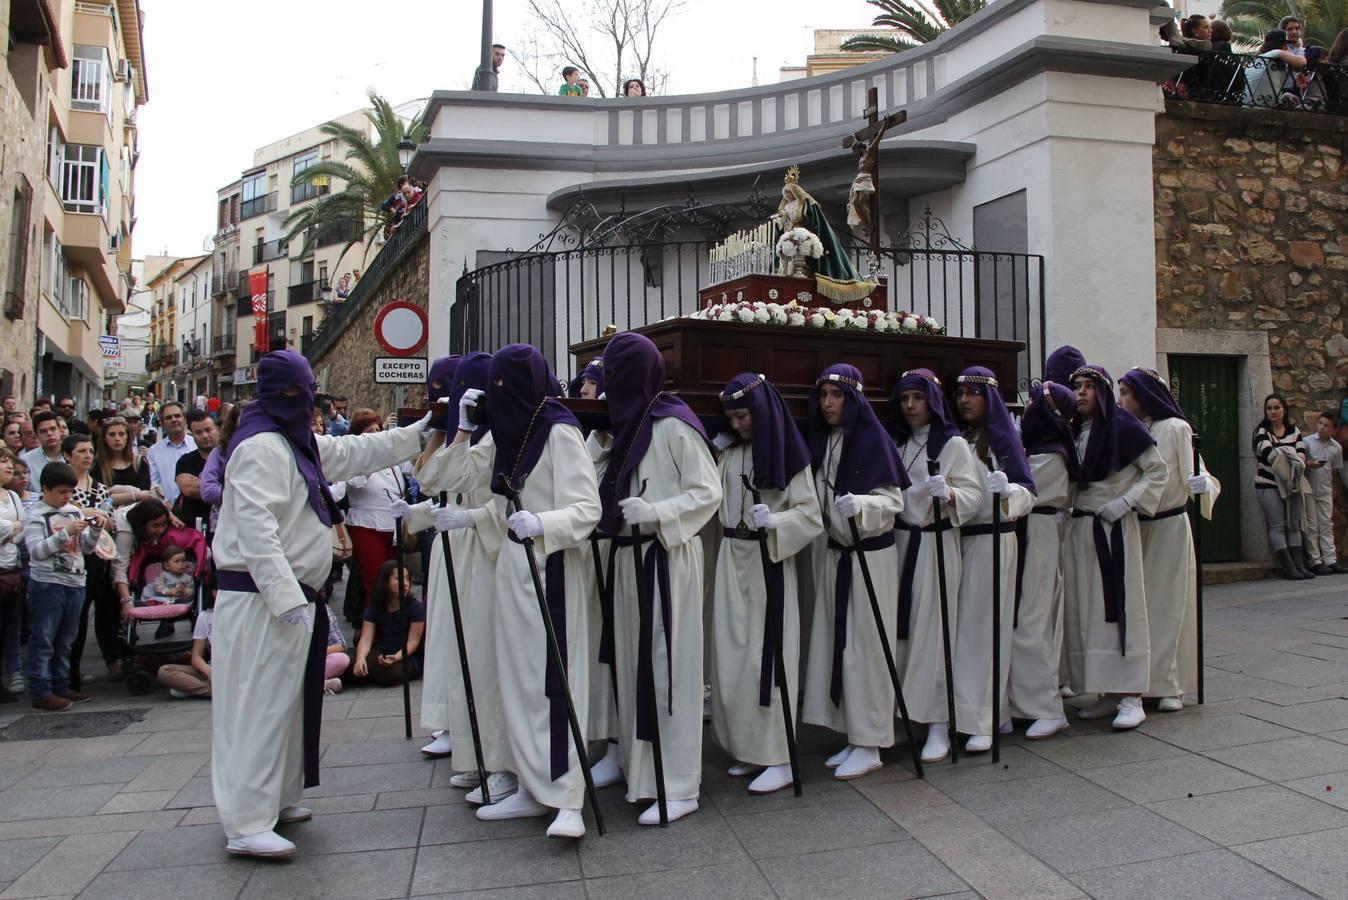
996, 621
884, 643
463, 655
555, 653
407, 630
934, 468
645, 624
778, 654
1198, 566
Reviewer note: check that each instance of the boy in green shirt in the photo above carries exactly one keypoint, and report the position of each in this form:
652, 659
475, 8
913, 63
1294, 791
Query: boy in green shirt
570, 75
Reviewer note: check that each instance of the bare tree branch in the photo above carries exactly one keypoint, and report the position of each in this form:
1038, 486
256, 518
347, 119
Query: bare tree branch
604, 38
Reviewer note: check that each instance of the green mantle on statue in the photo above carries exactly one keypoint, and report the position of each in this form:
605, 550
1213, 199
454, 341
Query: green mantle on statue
835, 276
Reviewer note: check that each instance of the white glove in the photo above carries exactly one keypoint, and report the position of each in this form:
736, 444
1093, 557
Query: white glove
1198, 484
525, 524
848, 504
467, 402
1115, 509
761, 516
998, 483
444, 400
398, 508
299, 615
447, 518
420, 425
723, 440
937, 487
637, 511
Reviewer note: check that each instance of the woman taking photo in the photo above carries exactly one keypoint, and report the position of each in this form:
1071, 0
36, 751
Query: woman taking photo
1280, 463
119, 467
368, 521
93, 499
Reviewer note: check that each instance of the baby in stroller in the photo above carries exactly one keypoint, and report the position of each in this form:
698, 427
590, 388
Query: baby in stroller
145, 535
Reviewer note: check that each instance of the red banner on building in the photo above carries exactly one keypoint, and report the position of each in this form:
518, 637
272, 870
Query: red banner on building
257, 286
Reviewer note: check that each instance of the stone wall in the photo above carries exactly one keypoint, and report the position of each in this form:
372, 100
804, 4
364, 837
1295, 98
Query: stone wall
1252, 235
346, 366
23, 149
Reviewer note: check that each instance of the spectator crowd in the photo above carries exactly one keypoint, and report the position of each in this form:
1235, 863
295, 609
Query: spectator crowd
103, 521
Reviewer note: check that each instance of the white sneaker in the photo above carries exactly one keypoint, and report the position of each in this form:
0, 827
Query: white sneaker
860, 761
265, 844
499, 785
519, 805
742, 770
1170, 704
937, 746
1130, 714
1045, 728
773, 779
440, 747
179, 695
1065, 691
332, 686
675, 809
838, 758
1100, 709
608, 770
15, 683
292, 814
568, 824
978, 743
464, 780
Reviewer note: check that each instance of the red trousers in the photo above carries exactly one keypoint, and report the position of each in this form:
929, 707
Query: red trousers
370, 549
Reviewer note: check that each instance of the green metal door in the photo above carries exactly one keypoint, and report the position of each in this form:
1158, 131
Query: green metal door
1207, 390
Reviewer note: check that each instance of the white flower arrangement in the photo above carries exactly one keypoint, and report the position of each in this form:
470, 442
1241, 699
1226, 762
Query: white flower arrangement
793, 315
799, 242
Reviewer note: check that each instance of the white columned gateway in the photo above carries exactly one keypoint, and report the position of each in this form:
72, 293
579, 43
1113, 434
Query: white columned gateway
1052, 98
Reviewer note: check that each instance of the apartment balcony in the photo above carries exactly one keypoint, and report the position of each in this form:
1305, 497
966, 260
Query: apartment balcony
306, 292
269, 250
337, 234
223, 345
224, 282
306, 341
242, 288
257, 206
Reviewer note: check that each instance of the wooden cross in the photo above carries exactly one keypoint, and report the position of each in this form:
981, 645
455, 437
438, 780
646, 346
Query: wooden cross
866, 144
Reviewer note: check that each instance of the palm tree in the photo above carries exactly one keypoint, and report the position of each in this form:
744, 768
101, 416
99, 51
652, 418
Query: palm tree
916, 23
1321, 20
370, 172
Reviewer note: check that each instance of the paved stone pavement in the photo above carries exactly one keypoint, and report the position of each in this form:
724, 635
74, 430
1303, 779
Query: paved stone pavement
1246, 796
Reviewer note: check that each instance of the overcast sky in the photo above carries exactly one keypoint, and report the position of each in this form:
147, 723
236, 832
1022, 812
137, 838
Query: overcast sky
225, 80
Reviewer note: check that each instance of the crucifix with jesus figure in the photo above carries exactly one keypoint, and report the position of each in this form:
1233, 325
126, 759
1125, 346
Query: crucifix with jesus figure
863, 200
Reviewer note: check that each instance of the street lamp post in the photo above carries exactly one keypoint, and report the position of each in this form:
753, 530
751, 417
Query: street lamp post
484, 79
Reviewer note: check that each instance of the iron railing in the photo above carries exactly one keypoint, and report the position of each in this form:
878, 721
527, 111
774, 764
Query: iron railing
304, 292
223, 343
336, 316
266, 251
555, 299
1256, 81
225, 282
299, 193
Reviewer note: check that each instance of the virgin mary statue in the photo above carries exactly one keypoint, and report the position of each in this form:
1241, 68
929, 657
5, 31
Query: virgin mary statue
835, 276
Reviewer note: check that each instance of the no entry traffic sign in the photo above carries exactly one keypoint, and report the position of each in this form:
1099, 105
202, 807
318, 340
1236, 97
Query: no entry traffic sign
401, 328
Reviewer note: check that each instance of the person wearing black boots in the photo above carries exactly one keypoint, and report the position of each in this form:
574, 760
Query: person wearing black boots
1280, 464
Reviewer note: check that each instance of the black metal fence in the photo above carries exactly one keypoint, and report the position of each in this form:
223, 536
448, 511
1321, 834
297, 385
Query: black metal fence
337, 315
552, 300
1265, 82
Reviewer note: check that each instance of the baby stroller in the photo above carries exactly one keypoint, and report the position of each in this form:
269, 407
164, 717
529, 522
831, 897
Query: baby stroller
143, 658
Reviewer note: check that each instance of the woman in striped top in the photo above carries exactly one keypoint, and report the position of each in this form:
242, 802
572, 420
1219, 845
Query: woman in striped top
1282, 513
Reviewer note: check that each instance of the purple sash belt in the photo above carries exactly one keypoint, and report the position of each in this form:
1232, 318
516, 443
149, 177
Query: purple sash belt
1113, 571
655, 573
910, 569
554, 685
774, 619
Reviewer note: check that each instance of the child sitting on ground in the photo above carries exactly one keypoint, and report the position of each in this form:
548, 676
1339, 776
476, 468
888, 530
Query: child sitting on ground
192, 680
174, 583
337, 661
393, 617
